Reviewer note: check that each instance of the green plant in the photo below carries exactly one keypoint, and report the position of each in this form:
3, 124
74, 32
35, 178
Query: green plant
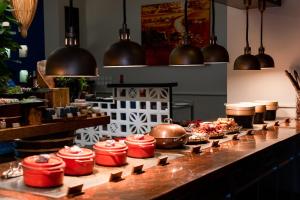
83, 84
76, 85
63, 81
6, 41
68, 82
14, 90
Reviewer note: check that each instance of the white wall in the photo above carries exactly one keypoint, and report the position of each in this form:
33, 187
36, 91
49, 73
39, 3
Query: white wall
281, 39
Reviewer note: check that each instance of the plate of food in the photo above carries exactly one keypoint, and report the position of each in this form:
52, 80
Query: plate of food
197, 138
227, 125
207, 130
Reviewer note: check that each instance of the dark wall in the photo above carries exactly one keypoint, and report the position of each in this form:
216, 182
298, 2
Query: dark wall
35, 42
36, 51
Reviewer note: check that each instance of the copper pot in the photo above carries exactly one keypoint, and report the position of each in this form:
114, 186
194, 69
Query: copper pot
169, 135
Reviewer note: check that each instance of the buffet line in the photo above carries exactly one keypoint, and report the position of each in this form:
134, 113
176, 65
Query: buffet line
49, 170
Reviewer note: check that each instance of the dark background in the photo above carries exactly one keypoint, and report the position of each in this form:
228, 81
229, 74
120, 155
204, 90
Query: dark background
35, 42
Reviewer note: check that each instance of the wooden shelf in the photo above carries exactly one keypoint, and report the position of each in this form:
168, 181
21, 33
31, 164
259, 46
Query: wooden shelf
240, 3
50, 128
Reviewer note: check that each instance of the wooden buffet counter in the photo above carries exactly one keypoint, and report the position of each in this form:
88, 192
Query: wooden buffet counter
266, 163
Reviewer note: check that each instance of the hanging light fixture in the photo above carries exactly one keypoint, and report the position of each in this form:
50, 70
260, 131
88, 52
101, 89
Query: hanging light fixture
24, 11
247, 61
265, 60
124, 53
186, 54
214, 53
71, 60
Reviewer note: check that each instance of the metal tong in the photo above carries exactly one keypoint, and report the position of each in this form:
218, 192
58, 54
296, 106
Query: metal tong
15, 170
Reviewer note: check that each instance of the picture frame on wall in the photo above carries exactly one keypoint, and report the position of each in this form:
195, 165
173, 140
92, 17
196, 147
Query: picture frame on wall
163, 28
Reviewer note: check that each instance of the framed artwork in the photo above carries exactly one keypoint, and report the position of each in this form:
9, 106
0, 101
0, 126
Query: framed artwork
163, 28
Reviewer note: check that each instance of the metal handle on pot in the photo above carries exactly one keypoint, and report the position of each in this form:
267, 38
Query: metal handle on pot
63, 165
142, 145
85, 162
51, 172
183, 136
116, 153
168, 120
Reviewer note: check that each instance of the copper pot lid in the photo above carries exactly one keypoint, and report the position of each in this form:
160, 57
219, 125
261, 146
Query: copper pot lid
167, 130
42, 161
140, 139
110, 145
75, 152
259, 107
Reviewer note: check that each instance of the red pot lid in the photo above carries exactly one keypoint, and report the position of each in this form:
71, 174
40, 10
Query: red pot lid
110, 145
75, 152
42, 161
140, 138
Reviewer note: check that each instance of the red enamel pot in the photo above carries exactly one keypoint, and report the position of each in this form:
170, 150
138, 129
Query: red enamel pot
43, 171
79, 161
111, 153
140, 146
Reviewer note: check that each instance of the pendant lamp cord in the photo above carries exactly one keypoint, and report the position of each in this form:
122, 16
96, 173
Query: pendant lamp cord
186, 37
247, 5
124, 31
70, 14
124, 14
247, 26
186, 25
70, 38
213, 17
262, 8
261, 29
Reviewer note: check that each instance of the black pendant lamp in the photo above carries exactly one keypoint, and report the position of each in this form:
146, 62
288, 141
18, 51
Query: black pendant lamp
124, 53
186, 54
214, 53
71, 60
247, 61
265, 60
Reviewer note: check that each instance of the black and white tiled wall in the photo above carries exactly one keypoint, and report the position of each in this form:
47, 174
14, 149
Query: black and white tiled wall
134, 110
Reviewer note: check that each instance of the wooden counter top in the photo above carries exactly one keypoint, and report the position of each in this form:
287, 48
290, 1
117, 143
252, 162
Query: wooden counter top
192, 175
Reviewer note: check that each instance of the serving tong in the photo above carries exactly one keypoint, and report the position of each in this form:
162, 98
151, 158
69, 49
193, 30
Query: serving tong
15, 170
